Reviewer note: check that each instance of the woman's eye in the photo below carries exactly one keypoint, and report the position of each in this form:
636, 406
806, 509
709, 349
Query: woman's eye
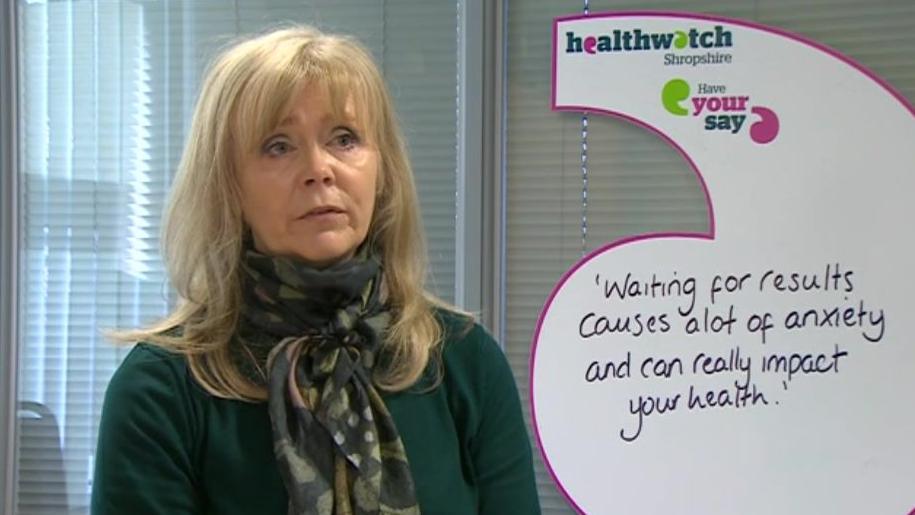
346, 140
277, 148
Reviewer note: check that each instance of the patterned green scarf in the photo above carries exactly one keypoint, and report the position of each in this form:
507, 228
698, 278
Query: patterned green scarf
318, 332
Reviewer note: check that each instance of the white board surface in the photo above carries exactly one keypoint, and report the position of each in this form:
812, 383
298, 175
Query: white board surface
764, 367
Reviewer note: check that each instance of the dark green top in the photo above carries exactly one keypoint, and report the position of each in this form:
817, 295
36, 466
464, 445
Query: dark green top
166, 447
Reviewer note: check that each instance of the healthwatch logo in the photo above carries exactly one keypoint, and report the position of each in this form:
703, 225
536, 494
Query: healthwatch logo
718, 110
632, 40
680, 45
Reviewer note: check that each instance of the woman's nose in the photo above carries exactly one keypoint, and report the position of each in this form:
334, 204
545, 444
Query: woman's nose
317, 167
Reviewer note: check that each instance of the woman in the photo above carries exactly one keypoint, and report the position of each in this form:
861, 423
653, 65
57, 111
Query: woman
306, 369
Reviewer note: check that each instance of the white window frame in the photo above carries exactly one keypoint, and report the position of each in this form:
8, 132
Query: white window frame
8, 255
479, 253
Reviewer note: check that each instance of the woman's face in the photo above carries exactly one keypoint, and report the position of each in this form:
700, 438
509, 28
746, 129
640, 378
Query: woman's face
308, 190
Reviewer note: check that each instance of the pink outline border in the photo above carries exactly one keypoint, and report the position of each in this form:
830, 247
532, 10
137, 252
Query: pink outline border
632, 239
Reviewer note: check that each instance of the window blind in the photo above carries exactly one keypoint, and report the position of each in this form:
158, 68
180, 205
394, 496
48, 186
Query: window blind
636, 183
107, 88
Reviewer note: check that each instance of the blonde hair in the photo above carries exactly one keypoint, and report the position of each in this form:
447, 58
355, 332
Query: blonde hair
246, 93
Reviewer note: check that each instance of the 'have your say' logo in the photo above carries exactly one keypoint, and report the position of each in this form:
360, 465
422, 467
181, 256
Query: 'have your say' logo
720, 112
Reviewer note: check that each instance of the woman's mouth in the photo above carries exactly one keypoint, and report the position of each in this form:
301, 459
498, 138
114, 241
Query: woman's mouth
323, 213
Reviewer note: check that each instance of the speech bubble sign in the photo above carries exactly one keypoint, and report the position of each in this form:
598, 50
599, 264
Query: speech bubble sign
765, 366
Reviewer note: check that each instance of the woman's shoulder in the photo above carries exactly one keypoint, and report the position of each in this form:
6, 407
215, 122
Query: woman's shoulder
149, 370
471, 357
152, 390
151, 358
463, 337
